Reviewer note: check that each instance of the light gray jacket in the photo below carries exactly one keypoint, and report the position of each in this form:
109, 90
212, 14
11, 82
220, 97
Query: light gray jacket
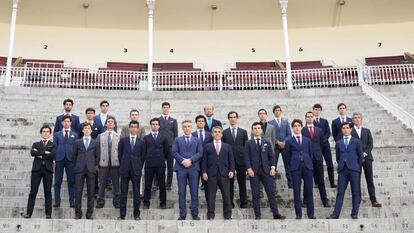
103, 144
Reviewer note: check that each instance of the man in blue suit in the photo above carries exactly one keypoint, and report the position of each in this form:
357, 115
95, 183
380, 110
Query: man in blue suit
337, 123
260, 163
323, 124
64, 140
211, 122
218, 168
90, 116
100, 119
131, 153
299, 156
315, 134
349, 156
188, 152
282, 133
67, 105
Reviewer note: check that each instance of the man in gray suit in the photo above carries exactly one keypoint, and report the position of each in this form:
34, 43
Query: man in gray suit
133, 116
283, 133
85, 159
108, 163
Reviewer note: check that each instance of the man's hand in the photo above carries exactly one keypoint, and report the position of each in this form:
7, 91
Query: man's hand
231, 175
187, 163
272, 172
281, 144
250, 172
97, 168
205, 176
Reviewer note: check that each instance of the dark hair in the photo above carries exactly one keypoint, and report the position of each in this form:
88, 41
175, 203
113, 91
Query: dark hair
262, 109
155, 119
104, 102
317, 106
46, 127
85, 124
296, 121
339, 105
66, 117
68, 100
201, 117
110, 118
165, 103
133, 123
256, 123
308, 113
232, 112
133, 110
89, 110
346, 123
276, 107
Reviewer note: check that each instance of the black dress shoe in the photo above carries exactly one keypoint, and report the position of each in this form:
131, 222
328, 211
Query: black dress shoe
298, 217
121, 218
137, 218
312, 217
232, 205
89, 217
227, 218
48, 217
334, 186
354, 216
210, 217
99, 206
279, 216
326, 204
163, 206
258, 217
196, 217
243, 206
181, 218
155, 188
168, 187
78, 217
72, 205
56, 205
332, 217
146, 206
27, 216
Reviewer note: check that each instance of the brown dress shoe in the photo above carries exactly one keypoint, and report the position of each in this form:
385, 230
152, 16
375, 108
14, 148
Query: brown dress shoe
376, 204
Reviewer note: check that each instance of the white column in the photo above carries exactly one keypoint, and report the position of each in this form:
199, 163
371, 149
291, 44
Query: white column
283, 4
150, 6
11, 43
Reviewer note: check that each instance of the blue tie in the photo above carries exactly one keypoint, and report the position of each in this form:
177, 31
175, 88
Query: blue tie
86, 143
346, 143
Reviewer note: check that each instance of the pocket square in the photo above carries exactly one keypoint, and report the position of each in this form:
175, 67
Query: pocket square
72, 136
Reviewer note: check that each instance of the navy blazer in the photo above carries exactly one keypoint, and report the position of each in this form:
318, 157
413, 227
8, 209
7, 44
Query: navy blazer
294, 152
207, 137
366, 140
83, 157
282, 133
38, 151
252, 153
95, 130
74, 126
101, 127
324, 126
337, 128
156, 151
169, 128
236, 144
316, 141
352, 156
182, 150
221, 164
64, 149
131, 159
214, 122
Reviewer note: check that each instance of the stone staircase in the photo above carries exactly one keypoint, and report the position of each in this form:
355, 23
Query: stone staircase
24, 110
399, 94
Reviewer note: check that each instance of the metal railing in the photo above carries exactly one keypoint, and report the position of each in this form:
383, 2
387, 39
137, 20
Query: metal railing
388, 74
325, 77
44, 64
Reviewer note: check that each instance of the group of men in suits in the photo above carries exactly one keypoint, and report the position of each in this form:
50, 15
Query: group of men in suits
94, 151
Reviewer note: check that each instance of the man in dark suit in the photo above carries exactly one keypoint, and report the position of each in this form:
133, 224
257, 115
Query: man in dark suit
315, 134
188, 152
323, 124
90, 116
337, 123
349, 156
67, 105
365, 136
218, 168
86, 161
211, 122
156, 152
64, 140
101, 117
260, 163
237, 137
44, 152
131, 152
282, 133
169, 128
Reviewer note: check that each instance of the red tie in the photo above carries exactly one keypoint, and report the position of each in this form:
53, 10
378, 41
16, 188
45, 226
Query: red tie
44, 143
165, 117
66, 135
311, 132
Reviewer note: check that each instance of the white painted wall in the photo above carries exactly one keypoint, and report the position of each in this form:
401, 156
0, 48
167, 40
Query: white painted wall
211, 50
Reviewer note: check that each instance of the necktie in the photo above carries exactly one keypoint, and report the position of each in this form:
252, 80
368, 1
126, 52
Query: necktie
258, 142
132, 143
187, 139
346, 142
44, 143
278, 122
217, 146
155, 136
209, 122
109, 138
233, 133
311, 132
298, 139
66, 135
343, 119
201, 136
109, 148
86, 143
165, 117
317, 120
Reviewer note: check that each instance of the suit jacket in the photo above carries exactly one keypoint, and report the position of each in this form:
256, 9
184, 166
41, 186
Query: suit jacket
366, 140
156, 151
169, 128
102, 127
207, 137
337, 128
182, 150
64, 149
214, 122
125, 132
294, 152
74, 126
38, 151
104, 152
324, 126
236, 144
131, 159
252, 154
282, 133
95, 130
85, 157
269, 134
218, 164
350, 156
316, 141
